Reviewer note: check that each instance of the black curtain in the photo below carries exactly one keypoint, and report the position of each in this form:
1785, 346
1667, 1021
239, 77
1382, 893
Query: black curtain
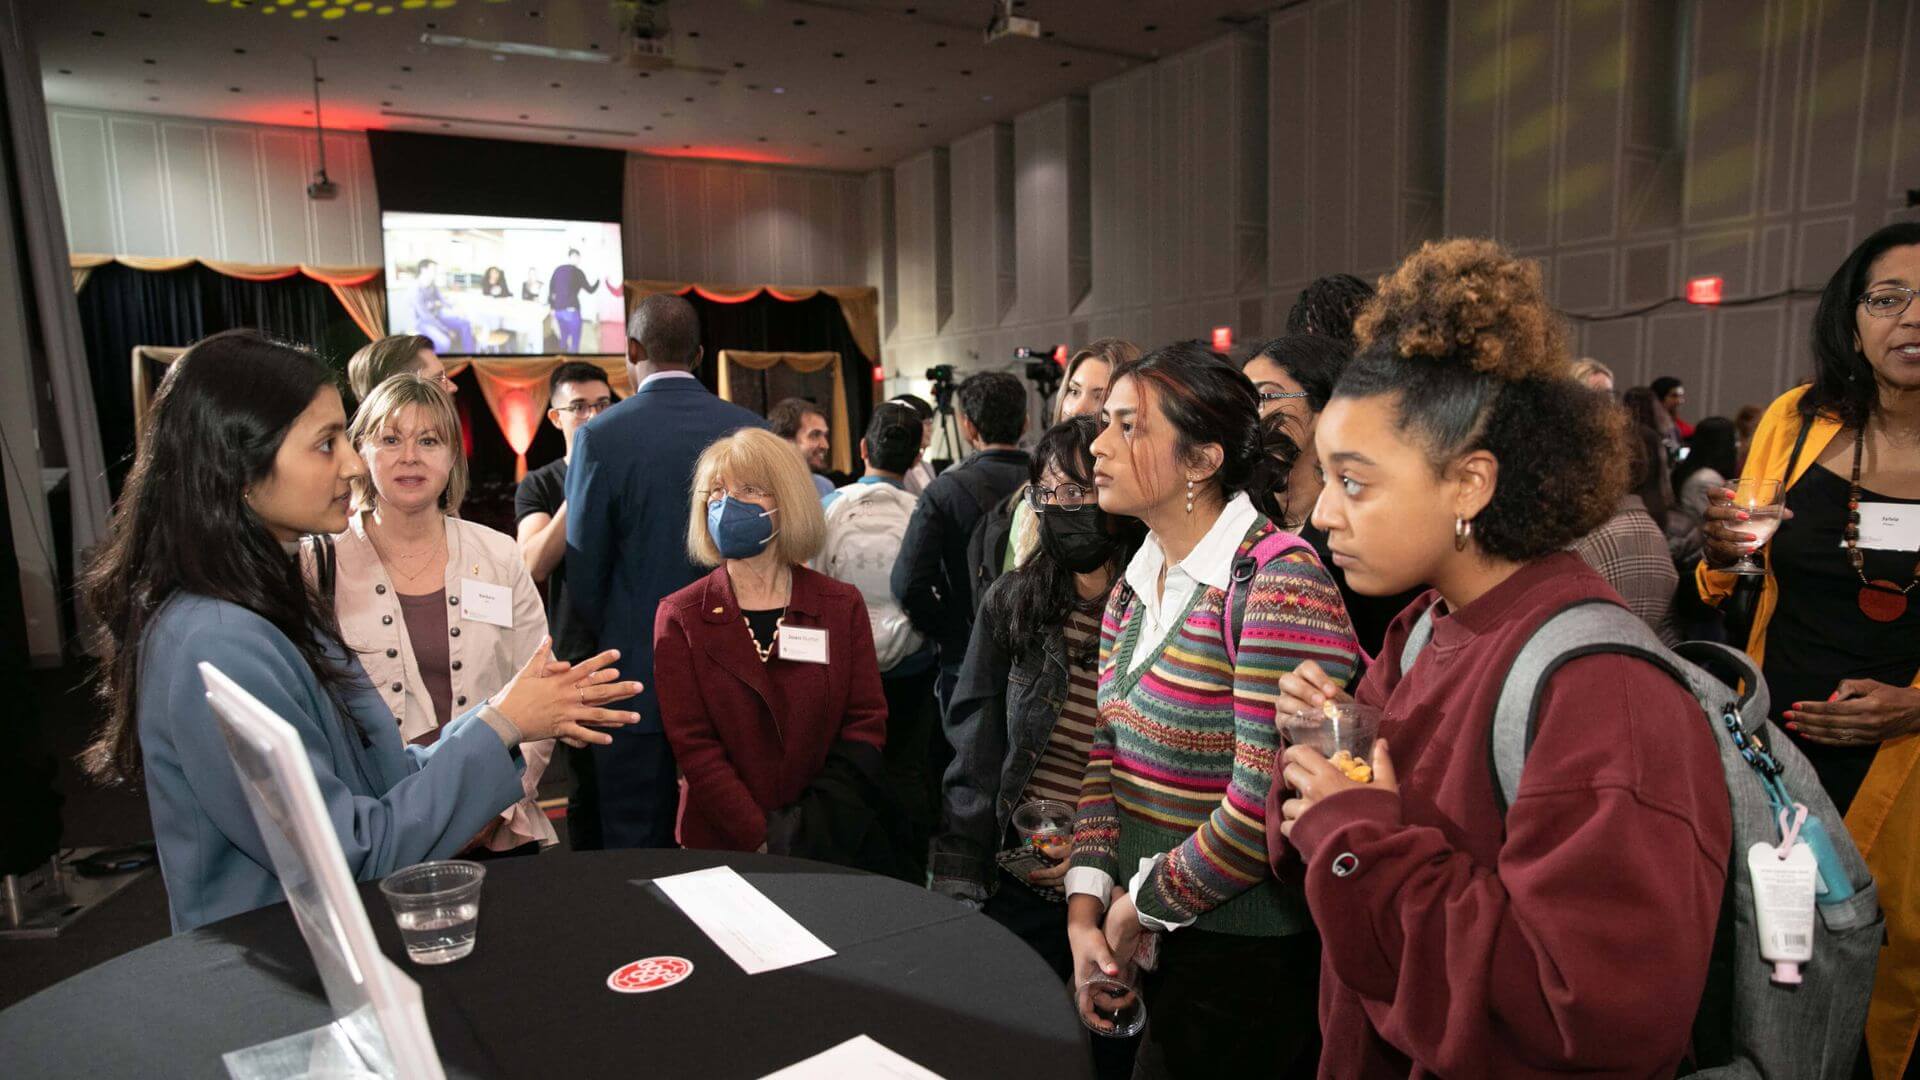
765, 324
121, 307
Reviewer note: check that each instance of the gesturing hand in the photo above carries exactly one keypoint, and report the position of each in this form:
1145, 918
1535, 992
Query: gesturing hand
549, 700
1860, 713
1312, 778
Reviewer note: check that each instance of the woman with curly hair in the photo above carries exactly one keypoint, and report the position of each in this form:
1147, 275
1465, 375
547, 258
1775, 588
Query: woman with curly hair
1460, 940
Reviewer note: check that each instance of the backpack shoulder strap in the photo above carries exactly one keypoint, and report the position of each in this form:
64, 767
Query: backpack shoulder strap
1251, 560
1584, 628
1417, 638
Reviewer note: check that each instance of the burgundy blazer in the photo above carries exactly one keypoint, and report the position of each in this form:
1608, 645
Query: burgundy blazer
750, 736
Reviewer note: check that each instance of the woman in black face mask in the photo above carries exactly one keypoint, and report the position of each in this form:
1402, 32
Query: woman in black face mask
1023, 713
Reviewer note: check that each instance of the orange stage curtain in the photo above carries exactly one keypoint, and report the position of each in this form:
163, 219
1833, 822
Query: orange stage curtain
859, 304
806, 363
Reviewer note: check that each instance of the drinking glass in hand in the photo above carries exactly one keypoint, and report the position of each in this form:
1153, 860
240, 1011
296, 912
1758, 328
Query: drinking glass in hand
437, 905
1763, 503
1111, 1006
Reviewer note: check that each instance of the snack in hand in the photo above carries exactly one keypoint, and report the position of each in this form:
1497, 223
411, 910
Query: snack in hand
1357, 771
1053, 846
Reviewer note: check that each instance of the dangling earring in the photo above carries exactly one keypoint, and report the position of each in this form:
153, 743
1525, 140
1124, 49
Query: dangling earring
1462, 532
1189, 496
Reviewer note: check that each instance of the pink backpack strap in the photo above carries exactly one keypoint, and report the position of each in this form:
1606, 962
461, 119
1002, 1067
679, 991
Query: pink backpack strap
1246, 564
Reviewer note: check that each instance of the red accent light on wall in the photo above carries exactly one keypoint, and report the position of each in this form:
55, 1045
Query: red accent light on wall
1060, 355
1704, 290
1222, 338
879, 375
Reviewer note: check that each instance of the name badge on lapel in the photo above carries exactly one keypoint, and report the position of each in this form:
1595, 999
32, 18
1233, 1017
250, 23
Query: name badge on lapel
1889, 526
803, 644
481, 602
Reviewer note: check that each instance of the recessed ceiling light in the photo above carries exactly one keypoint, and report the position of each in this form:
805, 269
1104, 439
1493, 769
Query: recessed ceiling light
499, 58
986, 97
779, 89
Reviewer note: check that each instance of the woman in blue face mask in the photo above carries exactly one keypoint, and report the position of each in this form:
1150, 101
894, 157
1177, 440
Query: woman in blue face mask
766, 670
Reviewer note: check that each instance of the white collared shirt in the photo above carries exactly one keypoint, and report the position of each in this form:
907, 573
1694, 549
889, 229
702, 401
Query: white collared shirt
664, 375
1208, 565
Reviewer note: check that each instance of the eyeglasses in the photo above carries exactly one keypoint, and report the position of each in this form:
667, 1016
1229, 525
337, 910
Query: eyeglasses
1065, 497
587, 408
1888, 303
1281, 395
743, 493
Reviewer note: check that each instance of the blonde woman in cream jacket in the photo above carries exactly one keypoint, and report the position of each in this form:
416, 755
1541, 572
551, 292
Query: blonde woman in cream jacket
442, 611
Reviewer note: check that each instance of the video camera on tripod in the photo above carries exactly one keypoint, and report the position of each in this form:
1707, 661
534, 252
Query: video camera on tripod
1045, 368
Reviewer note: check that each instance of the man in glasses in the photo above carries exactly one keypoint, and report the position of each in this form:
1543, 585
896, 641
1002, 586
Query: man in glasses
577, 392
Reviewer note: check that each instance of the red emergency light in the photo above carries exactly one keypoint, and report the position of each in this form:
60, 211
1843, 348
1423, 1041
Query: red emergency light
1060, 355
1704, 290
1222, 338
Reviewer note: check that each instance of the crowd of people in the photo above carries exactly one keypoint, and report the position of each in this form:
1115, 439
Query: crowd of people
1117, 613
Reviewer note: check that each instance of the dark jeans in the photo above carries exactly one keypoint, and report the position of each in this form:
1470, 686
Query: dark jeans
1042, 924
912, 717
939, 750
1232, 1005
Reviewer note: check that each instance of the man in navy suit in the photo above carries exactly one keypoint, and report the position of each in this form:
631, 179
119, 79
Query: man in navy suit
628, 493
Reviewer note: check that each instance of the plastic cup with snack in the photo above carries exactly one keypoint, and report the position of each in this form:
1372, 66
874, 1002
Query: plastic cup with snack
1046, 826
1342, 731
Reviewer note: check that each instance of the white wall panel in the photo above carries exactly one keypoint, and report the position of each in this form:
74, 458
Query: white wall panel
166, 186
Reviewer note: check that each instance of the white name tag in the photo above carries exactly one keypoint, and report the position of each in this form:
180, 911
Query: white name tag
486, 603
1889, 526
806, 644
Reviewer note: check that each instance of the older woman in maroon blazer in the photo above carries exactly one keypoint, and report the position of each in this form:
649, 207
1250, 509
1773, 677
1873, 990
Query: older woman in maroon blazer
762, 665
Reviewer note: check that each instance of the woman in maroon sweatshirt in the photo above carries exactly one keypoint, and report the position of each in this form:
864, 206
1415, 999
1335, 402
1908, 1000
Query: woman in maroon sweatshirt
1573, 934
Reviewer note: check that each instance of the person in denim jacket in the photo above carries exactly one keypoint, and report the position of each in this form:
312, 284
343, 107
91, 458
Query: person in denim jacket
1023, 712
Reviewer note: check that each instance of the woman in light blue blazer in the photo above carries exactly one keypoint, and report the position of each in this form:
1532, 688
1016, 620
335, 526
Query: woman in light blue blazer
244, 453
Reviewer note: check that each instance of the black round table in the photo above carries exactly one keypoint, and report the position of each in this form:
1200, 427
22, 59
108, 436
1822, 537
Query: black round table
929, 979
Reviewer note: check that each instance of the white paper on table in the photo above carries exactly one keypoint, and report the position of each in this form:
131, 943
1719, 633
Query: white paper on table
859, 1056
741, 920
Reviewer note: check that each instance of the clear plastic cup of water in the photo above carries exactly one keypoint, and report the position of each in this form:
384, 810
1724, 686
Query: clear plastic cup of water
1111, 1006
437, 905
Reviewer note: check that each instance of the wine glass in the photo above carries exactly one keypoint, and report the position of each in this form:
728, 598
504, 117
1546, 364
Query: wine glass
1763, 502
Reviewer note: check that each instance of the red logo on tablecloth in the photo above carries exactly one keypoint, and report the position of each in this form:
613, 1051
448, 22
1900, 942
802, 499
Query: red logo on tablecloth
653, 973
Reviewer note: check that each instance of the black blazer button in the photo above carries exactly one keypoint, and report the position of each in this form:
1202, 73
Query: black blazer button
455, 665
380, 590
386, 620
396, 688
391, 653
455, 631
453, 601
461, 700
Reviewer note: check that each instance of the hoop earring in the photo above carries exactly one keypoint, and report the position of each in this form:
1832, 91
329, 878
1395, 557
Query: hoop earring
1462, 532
1189, 496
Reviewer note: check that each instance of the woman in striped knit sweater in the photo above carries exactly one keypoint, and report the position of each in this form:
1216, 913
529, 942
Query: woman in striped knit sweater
1170, 834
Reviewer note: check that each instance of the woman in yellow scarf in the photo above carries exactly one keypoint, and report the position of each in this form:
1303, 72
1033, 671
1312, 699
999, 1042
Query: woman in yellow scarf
1837, 624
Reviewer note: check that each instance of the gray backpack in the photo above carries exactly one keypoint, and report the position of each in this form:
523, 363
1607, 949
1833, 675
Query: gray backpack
1747, 1026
